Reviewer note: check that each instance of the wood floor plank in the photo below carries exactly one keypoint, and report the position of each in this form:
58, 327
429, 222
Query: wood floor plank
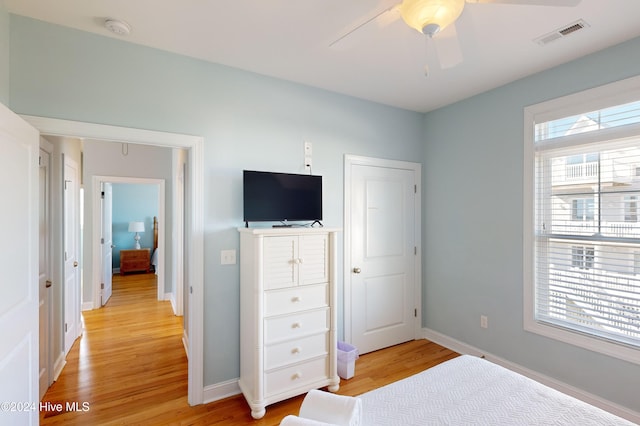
130, 367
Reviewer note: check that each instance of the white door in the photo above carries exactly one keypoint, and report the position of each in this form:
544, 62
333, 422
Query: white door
19, 266
382, 270
107, 241
44, 277
71, 254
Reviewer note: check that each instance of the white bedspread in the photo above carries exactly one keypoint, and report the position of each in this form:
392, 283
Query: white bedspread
469, 390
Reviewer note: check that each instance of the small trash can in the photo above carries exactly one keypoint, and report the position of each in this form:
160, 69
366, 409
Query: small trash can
347, 355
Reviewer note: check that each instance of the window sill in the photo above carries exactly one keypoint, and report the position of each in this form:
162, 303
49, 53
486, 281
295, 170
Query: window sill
605, 347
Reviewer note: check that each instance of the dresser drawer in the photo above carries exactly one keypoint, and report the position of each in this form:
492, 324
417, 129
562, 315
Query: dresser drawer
289, 352
293, 326
135, 260
295, 299
282, 380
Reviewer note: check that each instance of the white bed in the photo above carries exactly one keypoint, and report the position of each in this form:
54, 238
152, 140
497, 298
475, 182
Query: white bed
470, 390
463, 391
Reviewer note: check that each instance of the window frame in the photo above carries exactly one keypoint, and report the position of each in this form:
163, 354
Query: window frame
617, 93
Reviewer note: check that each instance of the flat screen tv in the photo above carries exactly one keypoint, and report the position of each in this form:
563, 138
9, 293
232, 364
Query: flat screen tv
281, 197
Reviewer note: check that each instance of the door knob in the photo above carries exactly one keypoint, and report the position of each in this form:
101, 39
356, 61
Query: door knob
48, 283
356, 270
75, 264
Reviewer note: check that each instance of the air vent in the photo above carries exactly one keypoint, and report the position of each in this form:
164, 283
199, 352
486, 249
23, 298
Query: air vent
561, 32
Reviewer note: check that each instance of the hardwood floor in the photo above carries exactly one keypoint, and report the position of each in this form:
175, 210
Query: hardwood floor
130, 367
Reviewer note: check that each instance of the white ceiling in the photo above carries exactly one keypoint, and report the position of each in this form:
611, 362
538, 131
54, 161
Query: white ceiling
290, 39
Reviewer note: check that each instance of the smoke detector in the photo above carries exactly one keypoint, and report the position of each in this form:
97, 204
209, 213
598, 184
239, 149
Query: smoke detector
117, 26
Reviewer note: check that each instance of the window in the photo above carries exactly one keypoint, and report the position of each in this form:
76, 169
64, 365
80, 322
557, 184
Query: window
582, 257
582, 209
631, 208
582, 281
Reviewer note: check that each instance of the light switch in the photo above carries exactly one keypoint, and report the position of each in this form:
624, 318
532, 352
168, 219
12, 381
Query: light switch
227, 257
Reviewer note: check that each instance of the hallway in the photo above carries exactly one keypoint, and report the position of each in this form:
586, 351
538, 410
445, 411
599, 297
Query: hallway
129, 360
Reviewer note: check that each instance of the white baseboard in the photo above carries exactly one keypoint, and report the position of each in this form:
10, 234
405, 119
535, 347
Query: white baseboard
170, 297
87, 306
220, 391
463, 348
58, 365
185, 342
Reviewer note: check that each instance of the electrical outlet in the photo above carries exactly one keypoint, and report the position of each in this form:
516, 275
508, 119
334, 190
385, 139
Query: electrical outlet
227, 257
484, 321
308, 152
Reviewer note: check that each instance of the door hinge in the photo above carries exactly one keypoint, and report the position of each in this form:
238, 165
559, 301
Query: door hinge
65, 327
415, 250
190, 289
101, 286
415, 312
65, 256
102, 195
101, 240
415, 189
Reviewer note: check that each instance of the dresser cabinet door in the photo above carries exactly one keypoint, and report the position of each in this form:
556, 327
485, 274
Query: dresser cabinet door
295, 260
280, 262
313, 257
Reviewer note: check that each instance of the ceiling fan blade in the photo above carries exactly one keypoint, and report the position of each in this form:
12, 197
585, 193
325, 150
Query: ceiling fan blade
379, 20
447, 46
564, 3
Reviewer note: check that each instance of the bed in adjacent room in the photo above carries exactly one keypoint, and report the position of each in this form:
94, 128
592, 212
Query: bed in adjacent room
464, 390
154, 250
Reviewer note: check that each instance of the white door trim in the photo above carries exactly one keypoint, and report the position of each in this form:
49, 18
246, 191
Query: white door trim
97, 231
349, 161
194, 219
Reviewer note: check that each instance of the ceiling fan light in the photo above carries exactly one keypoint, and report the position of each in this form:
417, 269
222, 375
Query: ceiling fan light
420, 14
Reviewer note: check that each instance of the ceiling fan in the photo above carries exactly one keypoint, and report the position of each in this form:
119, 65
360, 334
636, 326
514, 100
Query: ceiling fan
431, 17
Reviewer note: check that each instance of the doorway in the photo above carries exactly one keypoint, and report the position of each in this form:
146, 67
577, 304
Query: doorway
104, 266
382, 271
44, 268
194, 208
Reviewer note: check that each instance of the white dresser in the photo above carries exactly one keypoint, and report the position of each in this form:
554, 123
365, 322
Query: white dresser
287, 313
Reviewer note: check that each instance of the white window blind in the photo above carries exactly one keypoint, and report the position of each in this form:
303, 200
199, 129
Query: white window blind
587, 234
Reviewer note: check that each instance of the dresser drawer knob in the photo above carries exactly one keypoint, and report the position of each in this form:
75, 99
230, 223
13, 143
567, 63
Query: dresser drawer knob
295, 350
296, 376
295, 299
296, 325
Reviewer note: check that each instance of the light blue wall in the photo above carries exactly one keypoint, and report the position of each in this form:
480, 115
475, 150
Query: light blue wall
132, 203
473, 233
4, 54
248, 121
